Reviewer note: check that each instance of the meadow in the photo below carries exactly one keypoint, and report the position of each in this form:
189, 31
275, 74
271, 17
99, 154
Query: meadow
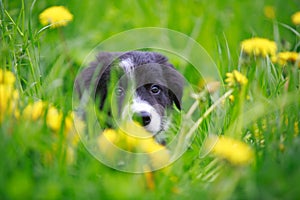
241, 126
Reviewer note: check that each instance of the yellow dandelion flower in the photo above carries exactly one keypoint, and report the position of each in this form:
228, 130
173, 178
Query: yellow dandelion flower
7, 77
54, 118
235, 78
133, 138
111, 135
134, 129
269, 12
150, 146
8, 101
234, 151
139, 140
296, 18
55, 16
286, 57
34, 111
107, 142
131, 134
259, 47
231, 98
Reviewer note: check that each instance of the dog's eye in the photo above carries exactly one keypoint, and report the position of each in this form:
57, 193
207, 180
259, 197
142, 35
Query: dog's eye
119, 91
155, 89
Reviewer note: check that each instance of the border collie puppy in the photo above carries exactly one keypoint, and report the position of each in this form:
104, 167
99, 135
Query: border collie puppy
144, 85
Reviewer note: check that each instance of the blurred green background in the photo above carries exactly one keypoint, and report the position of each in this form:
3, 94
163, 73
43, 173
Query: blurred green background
56, 55
211, 23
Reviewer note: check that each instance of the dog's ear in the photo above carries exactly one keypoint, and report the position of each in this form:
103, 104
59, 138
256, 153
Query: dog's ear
176, 90
174, 98
174, 79
175, 84
94, 79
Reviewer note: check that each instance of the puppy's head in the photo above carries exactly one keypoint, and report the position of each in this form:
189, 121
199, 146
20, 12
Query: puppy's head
144, 84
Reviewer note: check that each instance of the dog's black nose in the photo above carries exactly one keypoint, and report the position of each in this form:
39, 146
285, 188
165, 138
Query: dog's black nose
144, 118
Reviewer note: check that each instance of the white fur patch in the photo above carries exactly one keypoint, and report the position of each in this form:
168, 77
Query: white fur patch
139, 105
127, 65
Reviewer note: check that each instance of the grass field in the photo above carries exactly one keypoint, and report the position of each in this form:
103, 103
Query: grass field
246, 144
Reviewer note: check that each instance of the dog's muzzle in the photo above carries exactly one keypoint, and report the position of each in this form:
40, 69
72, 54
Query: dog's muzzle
143, 117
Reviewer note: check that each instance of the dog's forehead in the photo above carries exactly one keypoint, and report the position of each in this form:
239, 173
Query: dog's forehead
127, 65
151, 73
141, 69
130, 60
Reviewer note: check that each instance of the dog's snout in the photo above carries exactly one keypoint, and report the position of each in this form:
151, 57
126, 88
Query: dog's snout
143, 117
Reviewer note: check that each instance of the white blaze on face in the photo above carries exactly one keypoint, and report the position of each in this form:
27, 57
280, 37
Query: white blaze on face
139, 106
127, 65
